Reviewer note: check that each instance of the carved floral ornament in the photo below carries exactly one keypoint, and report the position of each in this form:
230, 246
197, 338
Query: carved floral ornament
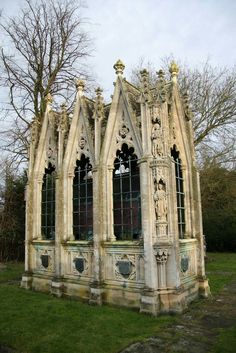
162, 255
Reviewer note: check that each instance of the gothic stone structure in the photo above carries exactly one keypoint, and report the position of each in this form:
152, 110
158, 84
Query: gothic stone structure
113, 210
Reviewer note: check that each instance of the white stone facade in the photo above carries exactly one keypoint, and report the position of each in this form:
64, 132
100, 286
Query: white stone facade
160, 266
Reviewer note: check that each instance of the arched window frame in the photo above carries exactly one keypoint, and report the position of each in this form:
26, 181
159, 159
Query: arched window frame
83, 200
126, 195
48, 204
180, 194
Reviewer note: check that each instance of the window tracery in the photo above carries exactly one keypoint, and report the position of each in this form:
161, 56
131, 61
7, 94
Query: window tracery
83, 200
48, 204
126, 195
179, 192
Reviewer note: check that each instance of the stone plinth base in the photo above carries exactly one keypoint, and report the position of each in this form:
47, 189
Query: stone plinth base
26, 281
149, 302
204, 289
95, 294
57, 287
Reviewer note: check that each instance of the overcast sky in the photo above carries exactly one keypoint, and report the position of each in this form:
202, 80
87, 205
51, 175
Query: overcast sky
191, 30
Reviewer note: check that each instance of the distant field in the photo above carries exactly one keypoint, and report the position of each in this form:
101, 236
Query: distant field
38, 323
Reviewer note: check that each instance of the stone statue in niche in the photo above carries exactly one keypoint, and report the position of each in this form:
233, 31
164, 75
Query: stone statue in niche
160, 200
157, 149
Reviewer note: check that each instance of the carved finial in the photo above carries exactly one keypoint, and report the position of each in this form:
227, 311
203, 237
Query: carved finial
63, 120
98, 91
145, 83
49, 98
187, 106
80, 87
99, 106
144, 73
119, 67
161, 75
161, 87
174, 70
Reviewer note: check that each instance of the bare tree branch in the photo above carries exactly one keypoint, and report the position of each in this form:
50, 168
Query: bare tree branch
47, 47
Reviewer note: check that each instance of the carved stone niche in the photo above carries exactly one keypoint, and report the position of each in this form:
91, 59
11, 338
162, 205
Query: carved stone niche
161, 254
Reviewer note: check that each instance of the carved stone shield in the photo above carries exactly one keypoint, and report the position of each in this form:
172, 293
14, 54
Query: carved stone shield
45, 260
125, 268
79, 264
184, 263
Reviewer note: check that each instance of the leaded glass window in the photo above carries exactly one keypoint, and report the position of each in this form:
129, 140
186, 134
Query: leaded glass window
179, 192
126, 195
83, 200
48, 204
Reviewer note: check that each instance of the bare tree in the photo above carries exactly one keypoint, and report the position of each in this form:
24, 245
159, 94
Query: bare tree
46, 49
211, 93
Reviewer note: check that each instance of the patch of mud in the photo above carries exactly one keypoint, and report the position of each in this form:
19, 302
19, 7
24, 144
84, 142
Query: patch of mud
196, 330
4, 349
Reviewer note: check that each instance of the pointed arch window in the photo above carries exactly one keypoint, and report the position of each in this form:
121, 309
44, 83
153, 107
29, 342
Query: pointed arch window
179, 192
126, 195
83, 200
48, 204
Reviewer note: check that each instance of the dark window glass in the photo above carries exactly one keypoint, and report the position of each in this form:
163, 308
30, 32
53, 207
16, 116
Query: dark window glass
48, 204
83, 200
179, 192
126, 195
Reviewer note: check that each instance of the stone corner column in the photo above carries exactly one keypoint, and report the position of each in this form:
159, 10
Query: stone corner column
149, 303
204, 288
96, 292
26, 281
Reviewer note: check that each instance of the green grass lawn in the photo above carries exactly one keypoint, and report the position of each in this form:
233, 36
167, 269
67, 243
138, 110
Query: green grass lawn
39, 323
220, 269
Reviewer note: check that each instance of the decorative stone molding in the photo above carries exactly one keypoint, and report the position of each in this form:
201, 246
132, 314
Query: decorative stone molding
80, 263
125, 267
161, 255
